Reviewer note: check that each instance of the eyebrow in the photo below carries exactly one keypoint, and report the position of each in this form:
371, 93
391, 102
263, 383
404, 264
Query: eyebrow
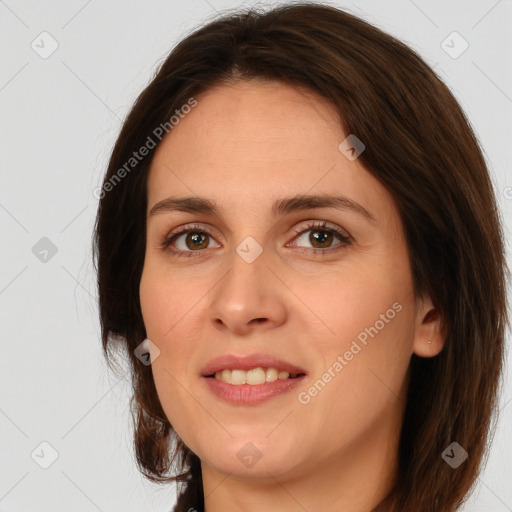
280, 207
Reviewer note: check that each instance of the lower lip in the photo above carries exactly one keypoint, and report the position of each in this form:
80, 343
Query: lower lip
249, 394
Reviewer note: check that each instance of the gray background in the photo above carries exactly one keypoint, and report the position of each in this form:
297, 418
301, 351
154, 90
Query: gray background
59, 119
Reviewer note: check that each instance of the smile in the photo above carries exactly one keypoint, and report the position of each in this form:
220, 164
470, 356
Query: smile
253, 377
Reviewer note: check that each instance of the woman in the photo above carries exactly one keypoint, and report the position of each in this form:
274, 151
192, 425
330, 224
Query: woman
298, 230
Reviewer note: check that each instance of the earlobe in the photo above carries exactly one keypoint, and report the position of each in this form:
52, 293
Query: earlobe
429, 337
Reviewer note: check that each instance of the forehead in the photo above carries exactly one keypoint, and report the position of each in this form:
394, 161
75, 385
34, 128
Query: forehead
253, 141
255, 122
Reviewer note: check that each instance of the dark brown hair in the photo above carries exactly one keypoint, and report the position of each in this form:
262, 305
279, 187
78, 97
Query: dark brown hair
419, 145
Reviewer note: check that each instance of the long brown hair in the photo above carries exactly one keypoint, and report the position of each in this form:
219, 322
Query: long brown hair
419, 145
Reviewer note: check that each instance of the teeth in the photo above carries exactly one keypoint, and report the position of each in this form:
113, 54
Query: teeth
254, 377
271, 375
238, 377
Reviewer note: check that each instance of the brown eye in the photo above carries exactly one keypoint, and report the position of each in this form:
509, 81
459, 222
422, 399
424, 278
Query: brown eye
195, 240
189, 241
320, 239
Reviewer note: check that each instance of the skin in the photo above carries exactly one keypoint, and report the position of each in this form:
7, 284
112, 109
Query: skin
244, 146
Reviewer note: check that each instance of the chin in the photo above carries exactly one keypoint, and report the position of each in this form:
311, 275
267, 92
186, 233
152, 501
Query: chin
245, 459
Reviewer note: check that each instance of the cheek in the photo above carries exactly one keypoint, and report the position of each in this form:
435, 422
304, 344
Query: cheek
348, 301
367, 318
168, 316
164, 303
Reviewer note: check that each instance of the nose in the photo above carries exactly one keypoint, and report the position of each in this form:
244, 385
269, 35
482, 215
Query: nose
248, 297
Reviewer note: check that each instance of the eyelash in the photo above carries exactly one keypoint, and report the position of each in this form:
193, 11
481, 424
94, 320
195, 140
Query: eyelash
318, 226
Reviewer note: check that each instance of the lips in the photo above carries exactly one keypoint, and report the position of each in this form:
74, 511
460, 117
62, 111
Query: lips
249, 362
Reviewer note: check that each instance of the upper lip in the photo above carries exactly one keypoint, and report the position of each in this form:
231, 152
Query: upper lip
248, 362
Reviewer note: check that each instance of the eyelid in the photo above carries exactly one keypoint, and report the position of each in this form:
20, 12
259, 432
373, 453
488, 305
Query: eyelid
206, 228
323, 225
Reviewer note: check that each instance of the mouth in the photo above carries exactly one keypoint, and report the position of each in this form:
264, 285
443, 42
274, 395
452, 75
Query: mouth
252, 394
254, 377
250, 368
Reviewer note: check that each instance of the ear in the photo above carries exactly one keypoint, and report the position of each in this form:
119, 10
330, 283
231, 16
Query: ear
429, 338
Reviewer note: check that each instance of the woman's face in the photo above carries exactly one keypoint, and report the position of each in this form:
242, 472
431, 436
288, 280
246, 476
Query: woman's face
319, 285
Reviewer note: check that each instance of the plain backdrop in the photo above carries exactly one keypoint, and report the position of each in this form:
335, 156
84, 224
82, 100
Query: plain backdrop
60, 115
